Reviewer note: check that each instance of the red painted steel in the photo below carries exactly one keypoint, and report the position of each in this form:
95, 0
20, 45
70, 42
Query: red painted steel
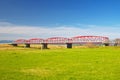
35, 41
56, 40
63, 40
93, 39
19, 41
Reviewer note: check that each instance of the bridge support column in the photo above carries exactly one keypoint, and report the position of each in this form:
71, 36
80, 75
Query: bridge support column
44, 46
116, 44
69, 45
106, 44
15, 45
27, 45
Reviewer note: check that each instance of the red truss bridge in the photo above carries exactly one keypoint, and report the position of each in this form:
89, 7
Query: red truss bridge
63, 40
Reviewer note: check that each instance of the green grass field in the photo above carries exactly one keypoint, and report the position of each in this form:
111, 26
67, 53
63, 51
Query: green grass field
60, 64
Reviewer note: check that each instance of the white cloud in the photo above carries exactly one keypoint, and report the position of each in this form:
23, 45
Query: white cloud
12, 31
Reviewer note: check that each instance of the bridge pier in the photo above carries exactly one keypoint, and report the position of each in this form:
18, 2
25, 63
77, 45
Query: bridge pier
15, 45
44, 46
27, 45
115, 44
69, 45
106, 44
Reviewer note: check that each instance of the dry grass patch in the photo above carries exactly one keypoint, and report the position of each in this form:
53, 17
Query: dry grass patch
9, 47
56, 46
38, 72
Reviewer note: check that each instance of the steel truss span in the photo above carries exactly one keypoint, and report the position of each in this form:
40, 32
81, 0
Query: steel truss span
19, 41
57, 40
63, 40
90, 39
35, 41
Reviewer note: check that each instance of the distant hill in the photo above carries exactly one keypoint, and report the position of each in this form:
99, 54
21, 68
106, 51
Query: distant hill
6, 41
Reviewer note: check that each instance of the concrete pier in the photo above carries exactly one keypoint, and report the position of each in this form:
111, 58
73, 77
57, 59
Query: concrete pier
69, 45
27, 45
15, 45
44, 46
106, 44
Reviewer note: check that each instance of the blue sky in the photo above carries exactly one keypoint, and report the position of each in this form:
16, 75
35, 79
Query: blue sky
66, 18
